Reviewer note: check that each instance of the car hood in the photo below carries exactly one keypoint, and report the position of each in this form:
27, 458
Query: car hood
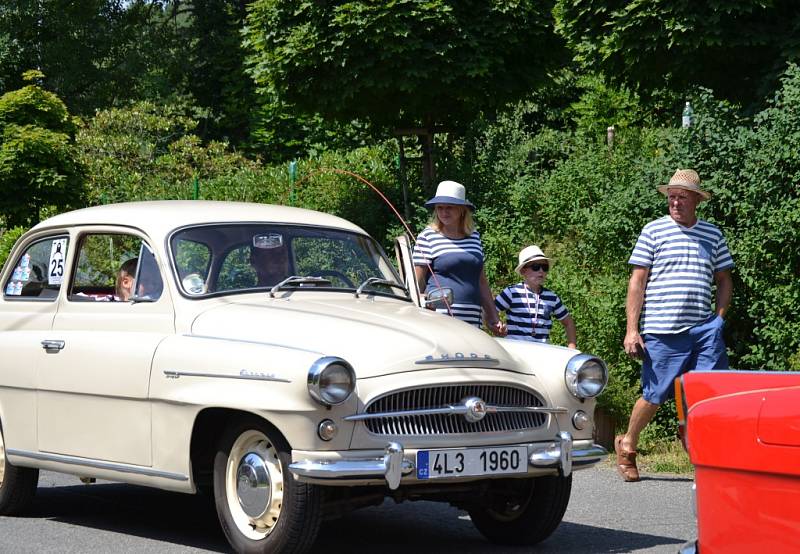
377, 336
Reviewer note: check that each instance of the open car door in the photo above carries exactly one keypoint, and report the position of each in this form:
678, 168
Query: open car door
402, 251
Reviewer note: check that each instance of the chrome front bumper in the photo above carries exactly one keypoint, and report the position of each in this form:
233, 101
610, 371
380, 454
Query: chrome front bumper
393, 464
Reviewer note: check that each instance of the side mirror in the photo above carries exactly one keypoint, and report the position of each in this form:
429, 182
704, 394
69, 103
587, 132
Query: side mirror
439, 298
193, 284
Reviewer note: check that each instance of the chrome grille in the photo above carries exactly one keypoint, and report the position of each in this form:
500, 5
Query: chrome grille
447, 424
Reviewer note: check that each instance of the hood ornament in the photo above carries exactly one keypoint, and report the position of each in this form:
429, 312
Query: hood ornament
476, 409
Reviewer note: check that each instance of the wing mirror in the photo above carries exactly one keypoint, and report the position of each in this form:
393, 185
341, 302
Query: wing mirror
439, 298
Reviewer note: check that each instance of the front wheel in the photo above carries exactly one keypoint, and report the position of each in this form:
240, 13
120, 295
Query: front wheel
523, 512
261, 507
17, 484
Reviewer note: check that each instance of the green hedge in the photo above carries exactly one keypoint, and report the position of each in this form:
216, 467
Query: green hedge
585, 204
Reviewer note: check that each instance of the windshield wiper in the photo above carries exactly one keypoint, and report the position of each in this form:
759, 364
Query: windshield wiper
379, 281
300, 281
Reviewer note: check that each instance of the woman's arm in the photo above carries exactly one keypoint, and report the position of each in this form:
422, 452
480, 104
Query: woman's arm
421, 275
571, 331
491, 316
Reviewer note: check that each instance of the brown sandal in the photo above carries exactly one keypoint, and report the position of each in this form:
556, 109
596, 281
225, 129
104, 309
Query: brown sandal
626, 461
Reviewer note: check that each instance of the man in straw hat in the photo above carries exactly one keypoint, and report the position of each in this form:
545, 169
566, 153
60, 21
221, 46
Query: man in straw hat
676, 261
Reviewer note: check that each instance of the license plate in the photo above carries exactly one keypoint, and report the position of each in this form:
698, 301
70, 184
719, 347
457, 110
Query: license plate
463, 462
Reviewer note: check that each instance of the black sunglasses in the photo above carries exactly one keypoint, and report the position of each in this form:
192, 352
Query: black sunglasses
537, 267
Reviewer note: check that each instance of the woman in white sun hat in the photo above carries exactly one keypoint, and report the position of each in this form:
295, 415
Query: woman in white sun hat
449, 253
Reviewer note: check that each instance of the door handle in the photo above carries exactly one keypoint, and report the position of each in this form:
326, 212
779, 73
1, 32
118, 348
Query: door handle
53, 346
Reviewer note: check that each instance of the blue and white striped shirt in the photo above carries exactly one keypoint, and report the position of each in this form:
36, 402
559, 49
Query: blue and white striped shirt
529, 316
682, 262
456, 263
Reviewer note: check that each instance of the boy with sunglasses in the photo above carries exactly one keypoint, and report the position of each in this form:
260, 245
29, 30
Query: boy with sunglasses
529, 306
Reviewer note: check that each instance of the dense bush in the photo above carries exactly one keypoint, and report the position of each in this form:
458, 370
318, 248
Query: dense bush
149, 152
7, 240
585, 204
38, 161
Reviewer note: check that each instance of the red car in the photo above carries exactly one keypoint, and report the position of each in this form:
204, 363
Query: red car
742, 432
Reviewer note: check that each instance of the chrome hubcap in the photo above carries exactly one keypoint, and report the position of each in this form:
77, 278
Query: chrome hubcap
252, 485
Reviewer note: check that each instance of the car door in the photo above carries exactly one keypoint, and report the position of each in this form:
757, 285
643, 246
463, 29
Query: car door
94, 382
31, 285
402, 251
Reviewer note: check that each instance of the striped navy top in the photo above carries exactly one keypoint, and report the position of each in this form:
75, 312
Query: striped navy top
529, 316
682, 262
456, 263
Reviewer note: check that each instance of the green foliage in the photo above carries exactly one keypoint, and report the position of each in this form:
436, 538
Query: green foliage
602, 105
400, 61
148, 151
32, 105
585, 204
90, 50
7, 241
736, 47
754, 171
38, 162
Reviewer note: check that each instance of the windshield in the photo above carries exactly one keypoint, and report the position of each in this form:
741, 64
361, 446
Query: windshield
230, 258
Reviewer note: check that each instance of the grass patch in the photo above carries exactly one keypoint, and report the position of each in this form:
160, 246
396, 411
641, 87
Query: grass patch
665, 457
661, 457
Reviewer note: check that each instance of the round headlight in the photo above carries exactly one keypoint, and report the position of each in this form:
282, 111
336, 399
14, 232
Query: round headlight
586, 376
331, 380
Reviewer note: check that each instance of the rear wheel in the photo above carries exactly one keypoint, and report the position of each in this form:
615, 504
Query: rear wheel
17, 484
523, 512
261, 507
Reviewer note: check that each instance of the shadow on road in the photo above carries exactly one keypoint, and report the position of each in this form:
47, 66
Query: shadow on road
422, 527
182, 519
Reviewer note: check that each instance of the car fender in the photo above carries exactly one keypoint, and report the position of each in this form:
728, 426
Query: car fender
191, 373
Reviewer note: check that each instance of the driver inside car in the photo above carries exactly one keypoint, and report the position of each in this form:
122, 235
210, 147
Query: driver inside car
269, 257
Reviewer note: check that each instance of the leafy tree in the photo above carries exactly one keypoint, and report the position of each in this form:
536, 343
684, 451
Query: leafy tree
38, 161
149, 151
90, 50
735, 47
7, 241
217, 79
402, 62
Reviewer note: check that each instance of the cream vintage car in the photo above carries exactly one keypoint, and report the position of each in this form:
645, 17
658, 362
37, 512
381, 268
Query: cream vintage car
274, 358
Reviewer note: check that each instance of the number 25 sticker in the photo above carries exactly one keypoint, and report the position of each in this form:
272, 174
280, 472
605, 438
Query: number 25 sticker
55, 271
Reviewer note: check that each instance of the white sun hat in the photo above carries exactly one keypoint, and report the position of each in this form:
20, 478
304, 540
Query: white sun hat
530, 254
450, 192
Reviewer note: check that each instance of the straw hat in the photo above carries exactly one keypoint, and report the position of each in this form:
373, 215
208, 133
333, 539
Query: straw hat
530, 254
686, 179
450, 192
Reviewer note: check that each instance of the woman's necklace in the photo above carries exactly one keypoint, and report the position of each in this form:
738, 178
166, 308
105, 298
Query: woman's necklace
535, 315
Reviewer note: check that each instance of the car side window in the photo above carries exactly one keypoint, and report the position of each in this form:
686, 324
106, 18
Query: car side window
148, 285
38, 272
112, 267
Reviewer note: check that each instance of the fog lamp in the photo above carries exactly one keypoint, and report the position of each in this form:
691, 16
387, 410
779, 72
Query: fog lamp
327, 429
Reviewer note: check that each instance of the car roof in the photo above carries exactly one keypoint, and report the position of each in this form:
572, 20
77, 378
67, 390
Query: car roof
163, 216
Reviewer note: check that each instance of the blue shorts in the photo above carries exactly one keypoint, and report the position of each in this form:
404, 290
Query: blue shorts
666, 356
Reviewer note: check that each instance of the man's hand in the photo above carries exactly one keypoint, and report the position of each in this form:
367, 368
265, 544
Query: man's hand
634, 345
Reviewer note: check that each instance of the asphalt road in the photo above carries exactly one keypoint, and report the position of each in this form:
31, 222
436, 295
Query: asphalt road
604, 515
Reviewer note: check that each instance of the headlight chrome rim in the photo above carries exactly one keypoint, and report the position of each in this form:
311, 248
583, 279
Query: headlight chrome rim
579, 381
320, 377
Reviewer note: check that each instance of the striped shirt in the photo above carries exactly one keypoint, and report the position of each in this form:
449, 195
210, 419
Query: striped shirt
682, 262
529, 316
457, 264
